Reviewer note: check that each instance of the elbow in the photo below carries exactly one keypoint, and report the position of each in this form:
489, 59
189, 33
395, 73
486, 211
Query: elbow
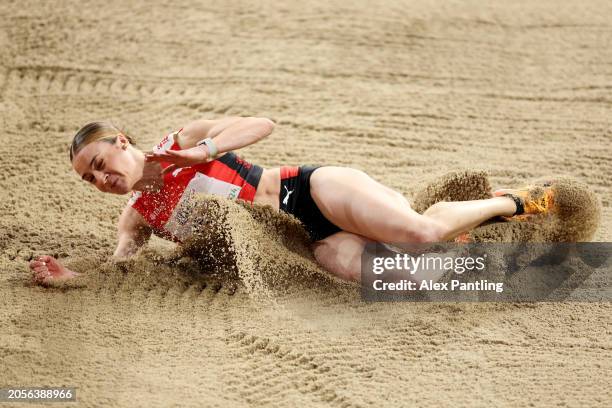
266, 125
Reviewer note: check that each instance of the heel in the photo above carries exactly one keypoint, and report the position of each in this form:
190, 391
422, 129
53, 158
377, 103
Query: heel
520, 207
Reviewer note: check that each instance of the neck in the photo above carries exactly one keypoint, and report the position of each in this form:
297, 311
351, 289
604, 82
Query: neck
150, 178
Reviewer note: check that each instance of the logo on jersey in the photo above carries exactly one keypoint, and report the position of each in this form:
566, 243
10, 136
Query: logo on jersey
243, 163
162, 142
286, 199
233, 193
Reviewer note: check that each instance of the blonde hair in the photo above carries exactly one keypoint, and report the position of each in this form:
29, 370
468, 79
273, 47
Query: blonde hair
94, 132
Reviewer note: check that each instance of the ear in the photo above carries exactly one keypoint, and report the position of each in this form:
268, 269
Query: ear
121, 141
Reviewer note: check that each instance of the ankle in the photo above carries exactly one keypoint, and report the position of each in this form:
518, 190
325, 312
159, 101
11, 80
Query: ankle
512, 205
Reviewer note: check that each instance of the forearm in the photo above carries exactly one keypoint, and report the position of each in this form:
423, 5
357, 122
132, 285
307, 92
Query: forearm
127, 246
227, 134
243, 133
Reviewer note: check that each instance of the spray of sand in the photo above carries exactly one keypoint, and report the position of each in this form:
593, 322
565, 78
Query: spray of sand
267, 250
576, 217
233, 245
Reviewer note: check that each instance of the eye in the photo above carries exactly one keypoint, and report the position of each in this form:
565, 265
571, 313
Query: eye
100, 164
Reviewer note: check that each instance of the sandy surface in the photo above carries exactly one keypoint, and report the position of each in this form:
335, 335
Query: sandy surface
402, 90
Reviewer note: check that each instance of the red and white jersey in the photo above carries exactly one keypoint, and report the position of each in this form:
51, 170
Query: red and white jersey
167, 210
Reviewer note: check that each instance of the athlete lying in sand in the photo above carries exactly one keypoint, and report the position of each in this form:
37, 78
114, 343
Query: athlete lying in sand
341, 208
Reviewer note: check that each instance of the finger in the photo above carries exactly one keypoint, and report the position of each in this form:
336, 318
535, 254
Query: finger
44, 258
157, 158
34, 263
163, 153
41, 279
41, 269
169, 169
38, 274
158, 154
169, 159
166, 158
42, 276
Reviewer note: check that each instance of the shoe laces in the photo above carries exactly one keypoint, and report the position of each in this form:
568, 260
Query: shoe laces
538, 205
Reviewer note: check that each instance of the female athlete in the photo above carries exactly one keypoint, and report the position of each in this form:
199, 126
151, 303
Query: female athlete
341, 208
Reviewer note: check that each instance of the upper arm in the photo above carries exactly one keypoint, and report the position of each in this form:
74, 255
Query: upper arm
201, 129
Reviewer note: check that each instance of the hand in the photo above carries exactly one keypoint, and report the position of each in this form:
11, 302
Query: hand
46, 269
179, 158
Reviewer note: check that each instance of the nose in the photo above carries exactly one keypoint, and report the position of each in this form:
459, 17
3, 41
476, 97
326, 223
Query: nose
101, 179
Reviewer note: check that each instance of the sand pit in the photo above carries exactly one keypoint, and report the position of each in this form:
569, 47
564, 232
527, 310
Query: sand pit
406, 92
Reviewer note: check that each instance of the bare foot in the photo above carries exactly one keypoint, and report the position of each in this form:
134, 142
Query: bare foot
46, 269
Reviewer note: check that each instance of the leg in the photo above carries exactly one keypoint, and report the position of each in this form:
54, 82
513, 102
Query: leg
358, 204
461, 216
340, 254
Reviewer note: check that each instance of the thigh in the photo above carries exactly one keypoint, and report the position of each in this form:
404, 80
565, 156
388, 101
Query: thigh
340, 254
359, 204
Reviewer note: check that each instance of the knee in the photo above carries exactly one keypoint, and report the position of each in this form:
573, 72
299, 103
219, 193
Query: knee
400, 197
347, 268
436, 208
426, 231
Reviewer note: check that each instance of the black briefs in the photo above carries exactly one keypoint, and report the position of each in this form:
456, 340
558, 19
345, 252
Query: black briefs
295, 199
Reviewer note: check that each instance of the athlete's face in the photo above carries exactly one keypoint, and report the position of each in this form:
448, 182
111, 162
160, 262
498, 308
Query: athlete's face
111, 167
